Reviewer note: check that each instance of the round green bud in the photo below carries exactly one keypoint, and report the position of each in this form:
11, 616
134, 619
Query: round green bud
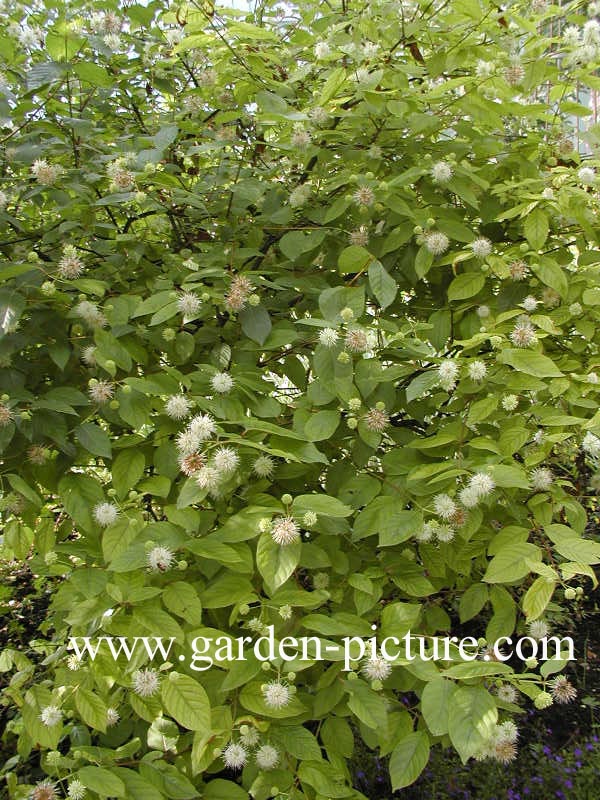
205, 297
352, 423
139, 197
380, 406
111, 492
274, 790
77, 330
570, 593
354, 403
149, 168
484, 268
110, 365
254, 300
344, 357
430, 222
92, 382
265, 666
579, 591
216, 752
369, 176
543, 700
377, 685
5, 398
173, 295
48, 288
286, 499
291, 676
352, 676
347, 314
169, 334
417, 230
531, 662
25, 415
133, 495
482, 641
114, 404
126, 389
383, 186
552, 162
524, 247
182, 565
244, 609
244, 729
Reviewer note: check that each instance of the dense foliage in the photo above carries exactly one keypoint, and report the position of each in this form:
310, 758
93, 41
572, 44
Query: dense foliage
299, 328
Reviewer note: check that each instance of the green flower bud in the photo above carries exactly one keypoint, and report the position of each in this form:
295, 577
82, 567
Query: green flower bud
354, 404
380, 406
352, 676
182, 565
430, 222
291, 676
352, 423
265, 666
347, 314
114, 404
286, 499
531, 662
244, 609
570, 593
254, 300
127, 389
344, 357
543, 700
111, 492
48, 288
32, 257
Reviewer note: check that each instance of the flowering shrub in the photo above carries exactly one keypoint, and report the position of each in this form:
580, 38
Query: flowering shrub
299, 331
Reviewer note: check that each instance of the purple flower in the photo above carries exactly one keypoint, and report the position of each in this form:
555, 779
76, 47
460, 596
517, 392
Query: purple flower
578, 752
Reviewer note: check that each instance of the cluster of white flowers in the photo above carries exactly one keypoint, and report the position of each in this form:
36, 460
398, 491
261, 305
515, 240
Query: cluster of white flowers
239, 292
263, 466
376, 668
300, 138
51, 716
160, 559
479, 486
481, 247
448, 372
284, 531
101, 392
200, 429
189, 304
146, 682
328, 337
541, 478
587, 176
70, 265
364, 196
299, 196
120, 177
444, 506
530, 303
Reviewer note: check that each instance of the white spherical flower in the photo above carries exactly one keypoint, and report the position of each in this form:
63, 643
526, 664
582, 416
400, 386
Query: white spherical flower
203, 427
444, 506
530, 303
591, 444
523, 334
189, 304
538, 629
276, 694
427, 532
481, 247
235, 755
593, 378
51, 716
101, 392
448, 372
70, 266
506, 731
364, 196
90, 314
477, 370
45, 173
249, 736
263, 466
222, 382
208, 477
469, 497
436, 242
541, 479
322, 50
310, 519
445, 533
160, 559
575, 309
441, 172
299, 196
328, 337
112, 716
146, 682
591, 32
483, 312
105, 514
507, 693
484, 69
76, 790
285, 531
88, 355
376, 668
510, 402
226, 459
178, 406
267, 757
188, 442
482, 483
548, 193
571, 36
300, 137
586, 176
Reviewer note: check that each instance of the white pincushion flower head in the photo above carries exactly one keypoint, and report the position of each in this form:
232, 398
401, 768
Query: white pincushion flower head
267, 757
112, 716
263, 466
530, 303
202, 427
178, 406
105, 514
510, 402
188, 304
249, 736
51, 716
226, 459
276, 694
376, 668
322, 50
444, 533
586, 176
477, 370
481, 247
101, 392
235, 755
222, 382
441, 172
364, 196
541, 478
444, 506
285, 531
436, 242
591, 444
507, 693
448, 372
208, 477
356, 340
160, 559
523, 334
328, 337
482, 483
76, 790
538, 629
70, 266
469, 497
146, 682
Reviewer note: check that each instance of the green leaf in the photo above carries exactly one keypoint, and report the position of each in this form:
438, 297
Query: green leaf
276, 563
91, 437
320, 504
256, 323
322, 425
127, 469
186, 701
536, 228
529, 362
354, 259
466, 285
88, 72
91, 708
408, 759
511, 563
220, 789
79, 494
537, 597
436, 701
471, 720
382, 284
101, 781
